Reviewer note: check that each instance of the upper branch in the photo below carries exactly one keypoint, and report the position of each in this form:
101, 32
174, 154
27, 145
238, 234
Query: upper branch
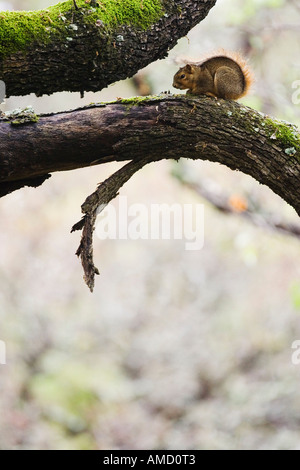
154, 128
61, 48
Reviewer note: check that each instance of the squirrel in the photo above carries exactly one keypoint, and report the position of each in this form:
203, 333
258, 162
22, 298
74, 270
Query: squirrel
225, 75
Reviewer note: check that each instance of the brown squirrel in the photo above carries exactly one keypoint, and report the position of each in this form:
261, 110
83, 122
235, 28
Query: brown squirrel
226, 75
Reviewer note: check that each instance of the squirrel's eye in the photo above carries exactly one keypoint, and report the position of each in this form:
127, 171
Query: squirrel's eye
182, 76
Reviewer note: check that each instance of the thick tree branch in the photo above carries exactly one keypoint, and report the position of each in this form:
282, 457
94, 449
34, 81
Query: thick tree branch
61, 48
152, 128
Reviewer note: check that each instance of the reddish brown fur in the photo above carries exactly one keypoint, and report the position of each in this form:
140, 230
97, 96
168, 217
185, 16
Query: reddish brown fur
232, 82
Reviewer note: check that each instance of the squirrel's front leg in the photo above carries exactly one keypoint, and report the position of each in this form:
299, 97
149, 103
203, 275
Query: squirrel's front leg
208, 93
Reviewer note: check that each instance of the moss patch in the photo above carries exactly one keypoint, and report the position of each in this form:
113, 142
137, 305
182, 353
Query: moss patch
140, 13
20, 29
285, 133
21, 116
137, 100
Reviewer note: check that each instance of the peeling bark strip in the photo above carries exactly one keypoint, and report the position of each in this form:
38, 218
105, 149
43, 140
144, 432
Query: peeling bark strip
61, 48
154, 128
92, 206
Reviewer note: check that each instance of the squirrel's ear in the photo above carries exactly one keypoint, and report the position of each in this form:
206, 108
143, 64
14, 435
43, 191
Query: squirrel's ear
188, 68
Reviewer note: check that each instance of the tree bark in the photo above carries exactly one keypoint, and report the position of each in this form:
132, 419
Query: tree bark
61, 48
154, 128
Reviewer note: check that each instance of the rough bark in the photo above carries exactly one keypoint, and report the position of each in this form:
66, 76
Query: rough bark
155, 128
86, 50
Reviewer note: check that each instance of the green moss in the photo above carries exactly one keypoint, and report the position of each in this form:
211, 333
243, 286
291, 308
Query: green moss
21, 116
285, 133
137, 100
20, 29
140, 13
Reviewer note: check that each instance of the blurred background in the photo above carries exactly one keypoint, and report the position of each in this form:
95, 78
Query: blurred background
175, 349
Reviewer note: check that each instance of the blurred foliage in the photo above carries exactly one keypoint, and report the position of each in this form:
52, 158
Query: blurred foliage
175, 349
238, 15
295, 294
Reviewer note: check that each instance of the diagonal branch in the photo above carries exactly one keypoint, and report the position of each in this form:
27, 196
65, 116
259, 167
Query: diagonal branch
85, 49
239, 206
165, 127
93, 205
144, 130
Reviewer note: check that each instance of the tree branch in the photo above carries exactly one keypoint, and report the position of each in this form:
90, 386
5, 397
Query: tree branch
238, 205
91, 47
94, 205
151, 128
